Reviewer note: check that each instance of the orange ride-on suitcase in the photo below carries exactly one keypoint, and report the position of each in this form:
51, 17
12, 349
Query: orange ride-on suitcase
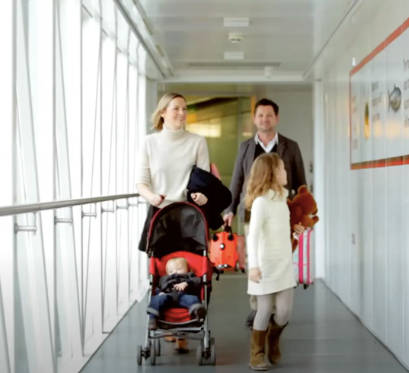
224, 250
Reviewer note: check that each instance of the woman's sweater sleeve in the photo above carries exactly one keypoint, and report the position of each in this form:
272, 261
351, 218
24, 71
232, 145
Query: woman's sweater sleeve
255, 230
143, 173
202, 160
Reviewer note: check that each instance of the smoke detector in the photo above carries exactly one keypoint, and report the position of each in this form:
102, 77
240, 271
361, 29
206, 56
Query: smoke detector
236, 37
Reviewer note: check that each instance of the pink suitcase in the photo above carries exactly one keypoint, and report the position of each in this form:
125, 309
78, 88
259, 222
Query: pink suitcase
302, 260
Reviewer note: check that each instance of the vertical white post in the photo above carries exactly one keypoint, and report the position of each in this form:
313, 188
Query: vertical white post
319, 179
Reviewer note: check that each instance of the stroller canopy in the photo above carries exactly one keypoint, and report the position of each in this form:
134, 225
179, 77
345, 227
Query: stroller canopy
179, 226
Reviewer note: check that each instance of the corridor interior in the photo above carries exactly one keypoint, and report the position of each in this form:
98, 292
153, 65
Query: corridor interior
323, 336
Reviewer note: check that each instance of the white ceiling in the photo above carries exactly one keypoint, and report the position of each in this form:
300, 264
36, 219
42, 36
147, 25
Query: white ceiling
290, 33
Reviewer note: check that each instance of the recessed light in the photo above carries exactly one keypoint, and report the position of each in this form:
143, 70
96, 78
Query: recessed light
236, 21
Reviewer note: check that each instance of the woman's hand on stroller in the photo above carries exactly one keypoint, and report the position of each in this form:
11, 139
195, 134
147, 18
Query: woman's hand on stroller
156, 199
180, 286
153, 198
199, 198
255, 274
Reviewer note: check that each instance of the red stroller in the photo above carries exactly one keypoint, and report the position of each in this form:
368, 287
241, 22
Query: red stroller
179, 230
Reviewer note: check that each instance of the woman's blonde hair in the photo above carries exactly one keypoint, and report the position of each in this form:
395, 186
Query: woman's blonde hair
263, 176
163, 103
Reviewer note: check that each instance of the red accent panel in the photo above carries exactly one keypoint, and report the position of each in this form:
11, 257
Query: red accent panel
176, 315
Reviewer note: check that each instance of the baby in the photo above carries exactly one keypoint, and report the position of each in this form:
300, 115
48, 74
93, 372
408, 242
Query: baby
178, 288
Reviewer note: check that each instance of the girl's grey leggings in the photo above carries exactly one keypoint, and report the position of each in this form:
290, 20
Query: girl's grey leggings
281, 303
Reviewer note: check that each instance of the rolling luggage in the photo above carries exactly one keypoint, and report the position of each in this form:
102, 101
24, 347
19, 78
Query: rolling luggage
302, 260
227, 251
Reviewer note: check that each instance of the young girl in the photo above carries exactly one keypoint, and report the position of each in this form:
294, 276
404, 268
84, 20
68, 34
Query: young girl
271, 274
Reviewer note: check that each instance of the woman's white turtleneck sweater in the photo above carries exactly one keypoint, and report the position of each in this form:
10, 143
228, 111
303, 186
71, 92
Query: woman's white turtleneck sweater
166, 160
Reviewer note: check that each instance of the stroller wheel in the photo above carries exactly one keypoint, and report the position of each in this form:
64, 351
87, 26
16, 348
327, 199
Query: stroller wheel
139, 355
156, 342
199, 354
206, 357
153, 353
212, 357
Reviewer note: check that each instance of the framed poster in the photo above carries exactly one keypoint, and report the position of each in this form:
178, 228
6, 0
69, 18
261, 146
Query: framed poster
379, 104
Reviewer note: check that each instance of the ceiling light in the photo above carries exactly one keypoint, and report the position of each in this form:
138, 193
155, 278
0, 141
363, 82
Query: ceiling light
268, 70
236, 21
234, 55
235, 37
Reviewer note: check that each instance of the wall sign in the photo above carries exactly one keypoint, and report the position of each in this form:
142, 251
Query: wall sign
379, 104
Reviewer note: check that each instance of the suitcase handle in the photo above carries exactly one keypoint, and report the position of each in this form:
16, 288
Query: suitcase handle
227, 229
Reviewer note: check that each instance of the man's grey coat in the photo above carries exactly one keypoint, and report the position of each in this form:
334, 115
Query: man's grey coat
289, 152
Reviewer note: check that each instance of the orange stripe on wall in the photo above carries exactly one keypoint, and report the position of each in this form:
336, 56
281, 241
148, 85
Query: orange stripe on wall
395, 161
381, 46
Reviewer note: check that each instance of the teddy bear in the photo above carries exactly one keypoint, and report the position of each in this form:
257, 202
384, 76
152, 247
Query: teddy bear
303, 210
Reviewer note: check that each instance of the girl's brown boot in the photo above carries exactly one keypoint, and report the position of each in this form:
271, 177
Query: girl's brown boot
273, 341
257, 344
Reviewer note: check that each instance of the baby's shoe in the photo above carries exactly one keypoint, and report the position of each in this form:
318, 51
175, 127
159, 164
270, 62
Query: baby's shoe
200, 312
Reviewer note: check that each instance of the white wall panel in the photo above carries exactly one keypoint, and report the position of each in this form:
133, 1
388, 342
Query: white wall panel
366, 214
68, 275
395, 278
379, 201
6, 187
405, 260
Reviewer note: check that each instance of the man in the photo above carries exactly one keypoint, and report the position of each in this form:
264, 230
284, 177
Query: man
267, 139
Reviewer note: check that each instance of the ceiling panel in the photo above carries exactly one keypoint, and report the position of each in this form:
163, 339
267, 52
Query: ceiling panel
286, 32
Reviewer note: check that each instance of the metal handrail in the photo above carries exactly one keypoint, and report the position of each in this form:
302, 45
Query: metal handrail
35, 207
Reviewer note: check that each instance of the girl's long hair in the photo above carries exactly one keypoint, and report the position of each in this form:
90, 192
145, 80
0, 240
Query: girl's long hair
263, 176
163, 103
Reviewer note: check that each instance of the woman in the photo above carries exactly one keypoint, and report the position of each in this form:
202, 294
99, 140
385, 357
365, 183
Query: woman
167, 158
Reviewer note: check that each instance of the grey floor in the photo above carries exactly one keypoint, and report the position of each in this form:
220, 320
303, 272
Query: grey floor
323, 336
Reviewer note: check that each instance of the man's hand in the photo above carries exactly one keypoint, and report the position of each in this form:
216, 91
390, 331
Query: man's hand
255, 274
199, 198
181, 286
228, 218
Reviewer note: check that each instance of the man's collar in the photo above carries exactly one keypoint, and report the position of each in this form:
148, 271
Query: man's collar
270, 145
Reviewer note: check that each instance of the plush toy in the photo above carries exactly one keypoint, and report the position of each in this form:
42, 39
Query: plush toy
303, 210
